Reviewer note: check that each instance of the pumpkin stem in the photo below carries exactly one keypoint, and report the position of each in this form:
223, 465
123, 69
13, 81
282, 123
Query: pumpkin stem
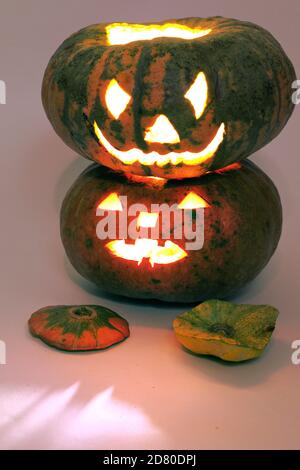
82, 313
222, 328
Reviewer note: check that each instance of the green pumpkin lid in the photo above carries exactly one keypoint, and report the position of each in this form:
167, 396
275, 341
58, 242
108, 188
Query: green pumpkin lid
78, 327
226, 330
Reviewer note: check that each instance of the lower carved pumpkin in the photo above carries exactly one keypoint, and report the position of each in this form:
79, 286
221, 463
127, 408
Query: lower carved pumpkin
221, 231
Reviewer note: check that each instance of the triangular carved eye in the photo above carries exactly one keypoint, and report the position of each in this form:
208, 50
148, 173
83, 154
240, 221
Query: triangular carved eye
116, 99
192, 201
111, 203
197, 94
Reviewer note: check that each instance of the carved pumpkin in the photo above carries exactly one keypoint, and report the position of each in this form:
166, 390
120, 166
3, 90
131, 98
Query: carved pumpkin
241, 225
172, 99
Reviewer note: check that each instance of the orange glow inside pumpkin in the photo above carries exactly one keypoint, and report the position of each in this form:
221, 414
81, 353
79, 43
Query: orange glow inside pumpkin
197, 94
116, 99
133, 155
162, 131
111, 203
192, 201
231, 167
147, 248
147, 219
151, 181
124, 33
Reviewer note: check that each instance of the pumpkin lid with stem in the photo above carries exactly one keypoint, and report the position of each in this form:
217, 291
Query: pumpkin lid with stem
78, 327
226, 330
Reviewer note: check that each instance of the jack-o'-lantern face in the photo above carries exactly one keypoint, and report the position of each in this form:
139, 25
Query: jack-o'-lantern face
230, 243
154, 104
174, 99
157, 250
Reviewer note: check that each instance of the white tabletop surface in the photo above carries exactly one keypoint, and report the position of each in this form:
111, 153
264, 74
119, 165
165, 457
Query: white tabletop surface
146, 392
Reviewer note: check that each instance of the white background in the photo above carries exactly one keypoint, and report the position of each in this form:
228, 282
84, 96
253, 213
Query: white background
146, 392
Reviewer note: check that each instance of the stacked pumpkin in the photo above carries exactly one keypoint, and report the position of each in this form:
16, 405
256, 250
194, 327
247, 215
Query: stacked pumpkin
169, 112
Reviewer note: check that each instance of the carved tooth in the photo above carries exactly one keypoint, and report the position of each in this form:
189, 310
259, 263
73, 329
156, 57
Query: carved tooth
162, 160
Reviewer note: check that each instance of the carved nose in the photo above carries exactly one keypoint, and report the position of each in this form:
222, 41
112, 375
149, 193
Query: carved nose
162, 131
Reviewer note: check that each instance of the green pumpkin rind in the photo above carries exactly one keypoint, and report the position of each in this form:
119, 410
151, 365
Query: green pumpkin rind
249, 79
78, 327
242, 230
226, 330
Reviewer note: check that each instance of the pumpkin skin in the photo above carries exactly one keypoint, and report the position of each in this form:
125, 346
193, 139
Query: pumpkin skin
242, 227
78, 327
248, 76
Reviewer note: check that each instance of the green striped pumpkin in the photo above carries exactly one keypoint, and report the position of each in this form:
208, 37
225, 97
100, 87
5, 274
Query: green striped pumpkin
247, 74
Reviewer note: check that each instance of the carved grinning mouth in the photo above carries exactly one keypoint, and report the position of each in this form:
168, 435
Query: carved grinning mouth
146, 248
134, 155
